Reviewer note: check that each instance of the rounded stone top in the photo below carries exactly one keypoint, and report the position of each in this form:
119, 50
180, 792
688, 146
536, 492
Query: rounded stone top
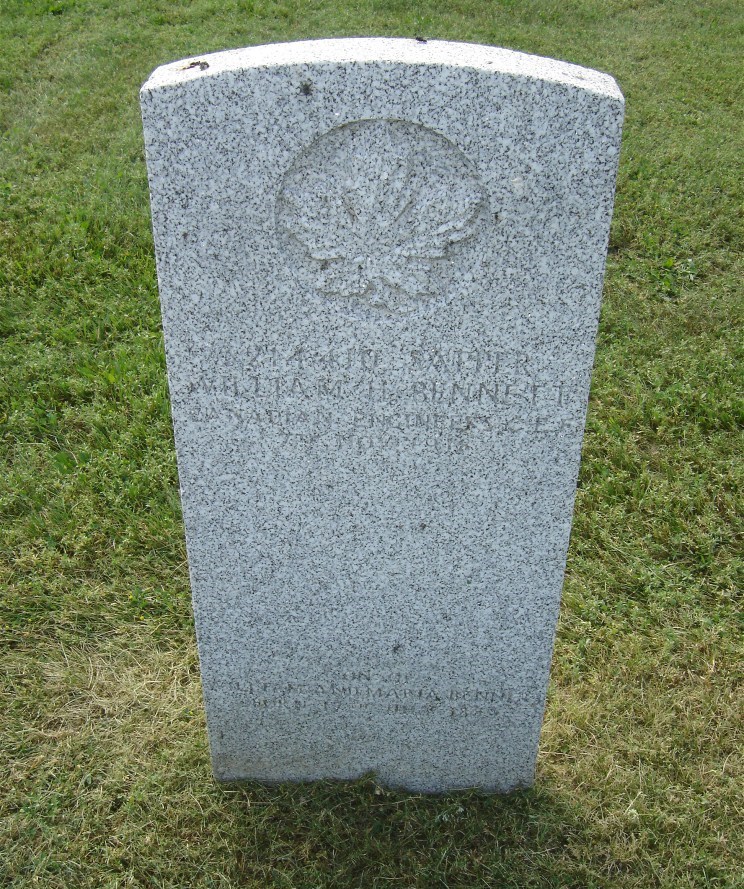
385, 50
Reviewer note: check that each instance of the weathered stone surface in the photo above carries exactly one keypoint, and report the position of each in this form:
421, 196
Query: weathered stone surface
380, 267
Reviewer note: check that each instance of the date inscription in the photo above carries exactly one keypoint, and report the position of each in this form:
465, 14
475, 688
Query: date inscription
345, 696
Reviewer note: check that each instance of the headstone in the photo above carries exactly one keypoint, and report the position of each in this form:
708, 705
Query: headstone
380, 266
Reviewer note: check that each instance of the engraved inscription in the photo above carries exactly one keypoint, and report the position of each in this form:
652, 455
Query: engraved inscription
361, 694
356, 400
371, 214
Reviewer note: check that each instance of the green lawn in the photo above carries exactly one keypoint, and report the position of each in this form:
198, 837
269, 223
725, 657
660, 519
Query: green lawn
104, 772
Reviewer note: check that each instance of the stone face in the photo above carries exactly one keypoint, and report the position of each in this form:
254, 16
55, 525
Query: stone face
380, 266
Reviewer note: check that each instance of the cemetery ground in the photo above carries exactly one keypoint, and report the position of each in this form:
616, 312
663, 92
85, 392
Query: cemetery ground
104, 771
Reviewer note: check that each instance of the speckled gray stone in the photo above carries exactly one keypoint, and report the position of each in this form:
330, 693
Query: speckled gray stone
380, 267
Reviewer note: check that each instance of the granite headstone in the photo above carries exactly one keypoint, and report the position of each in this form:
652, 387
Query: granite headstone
380, 266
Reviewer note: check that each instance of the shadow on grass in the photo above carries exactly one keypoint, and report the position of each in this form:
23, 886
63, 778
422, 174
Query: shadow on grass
359, 834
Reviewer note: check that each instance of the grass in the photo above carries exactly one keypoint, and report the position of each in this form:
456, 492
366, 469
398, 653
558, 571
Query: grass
103, 759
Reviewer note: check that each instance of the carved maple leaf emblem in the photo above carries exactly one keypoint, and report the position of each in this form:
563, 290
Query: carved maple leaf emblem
374, 208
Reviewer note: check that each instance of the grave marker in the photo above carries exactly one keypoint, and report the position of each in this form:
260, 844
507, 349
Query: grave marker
380, 266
